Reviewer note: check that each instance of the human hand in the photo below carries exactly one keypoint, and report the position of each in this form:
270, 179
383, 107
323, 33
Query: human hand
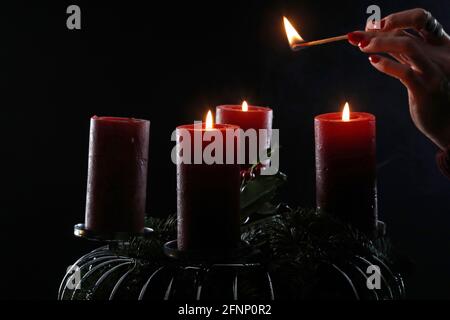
421, 61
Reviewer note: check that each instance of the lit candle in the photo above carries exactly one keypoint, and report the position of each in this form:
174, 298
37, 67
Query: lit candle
247, 117
207, 194
117, 175
345, 167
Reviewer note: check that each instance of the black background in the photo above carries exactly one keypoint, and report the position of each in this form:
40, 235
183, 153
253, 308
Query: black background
169, 62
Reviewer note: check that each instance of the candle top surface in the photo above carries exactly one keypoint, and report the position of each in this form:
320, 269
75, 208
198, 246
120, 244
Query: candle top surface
337, 117
236, 107
217, 126
118, 119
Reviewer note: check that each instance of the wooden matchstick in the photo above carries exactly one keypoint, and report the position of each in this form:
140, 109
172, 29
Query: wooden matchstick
301, 45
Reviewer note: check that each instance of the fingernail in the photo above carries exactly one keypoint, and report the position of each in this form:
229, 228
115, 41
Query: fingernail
355, 37
363, 43
374, 59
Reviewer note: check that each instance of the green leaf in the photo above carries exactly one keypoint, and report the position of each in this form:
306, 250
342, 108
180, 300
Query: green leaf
257, 192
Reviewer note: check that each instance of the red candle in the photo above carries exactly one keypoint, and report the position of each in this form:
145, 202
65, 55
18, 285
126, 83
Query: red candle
207, 195
345, 167
117, 174
247, 117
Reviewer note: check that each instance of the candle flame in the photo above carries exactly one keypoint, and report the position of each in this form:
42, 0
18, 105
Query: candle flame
209, 124
292, 34
244, 106
346, 112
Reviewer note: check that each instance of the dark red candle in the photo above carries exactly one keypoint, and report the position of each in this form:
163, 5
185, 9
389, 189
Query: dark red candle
247, 117
117, 174
346, 168
207, 197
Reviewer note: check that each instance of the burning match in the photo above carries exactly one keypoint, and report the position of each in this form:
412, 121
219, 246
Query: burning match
297, 43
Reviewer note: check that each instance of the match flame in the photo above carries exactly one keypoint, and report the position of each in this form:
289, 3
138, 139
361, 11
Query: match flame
346, 112
209, 121
244, 106
292, 34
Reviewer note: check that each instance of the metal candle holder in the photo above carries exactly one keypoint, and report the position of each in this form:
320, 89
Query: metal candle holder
105, 274
115, 272
80, 231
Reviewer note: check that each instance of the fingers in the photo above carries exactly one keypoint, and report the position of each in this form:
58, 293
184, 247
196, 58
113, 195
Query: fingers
357, 37
406, 46
399, 45
409, 19
394, 69
400, 58
419, 19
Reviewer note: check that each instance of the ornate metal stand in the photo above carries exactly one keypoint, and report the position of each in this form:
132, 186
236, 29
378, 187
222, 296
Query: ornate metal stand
110, 273
104, 274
